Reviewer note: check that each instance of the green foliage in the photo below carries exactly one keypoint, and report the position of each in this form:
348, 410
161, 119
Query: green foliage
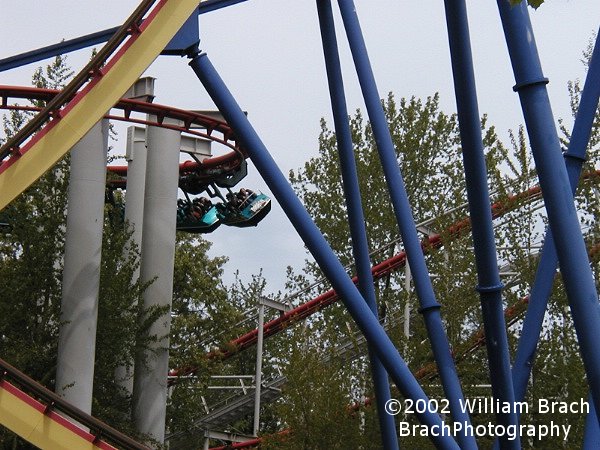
31, 271
118, 329
31, 256
415, 125
429, 156
201, 319
30, 276
212, 322
322, 403
54, 76
533, 3
30, 268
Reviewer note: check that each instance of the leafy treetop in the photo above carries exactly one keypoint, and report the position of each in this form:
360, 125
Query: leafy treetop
533, 3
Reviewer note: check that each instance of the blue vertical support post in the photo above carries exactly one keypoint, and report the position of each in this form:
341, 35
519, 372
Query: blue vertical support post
591, 435
373, 331
542, 286
554, 182
429, 306
356, 218
489, 284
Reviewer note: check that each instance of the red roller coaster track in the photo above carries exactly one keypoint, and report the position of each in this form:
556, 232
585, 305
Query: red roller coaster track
380, 270
193, 123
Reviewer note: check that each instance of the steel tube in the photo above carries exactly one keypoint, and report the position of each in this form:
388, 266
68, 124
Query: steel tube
542, 286
134, 216
258, 369
88, 40
554, 181
316, 243
430, 308
157, 264
489, 284
591, 436
81, 273
356, 219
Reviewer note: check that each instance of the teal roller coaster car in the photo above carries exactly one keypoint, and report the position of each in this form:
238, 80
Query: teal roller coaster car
244, 209
197, 217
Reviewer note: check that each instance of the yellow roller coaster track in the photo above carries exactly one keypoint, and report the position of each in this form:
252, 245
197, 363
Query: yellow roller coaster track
105, 79
65, 120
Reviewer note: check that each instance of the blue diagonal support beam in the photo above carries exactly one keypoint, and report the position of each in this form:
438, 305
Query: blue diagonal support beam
489, 284
591, 436
356, 219
542, 286
89, 40
430, 308
332, 268
554, 181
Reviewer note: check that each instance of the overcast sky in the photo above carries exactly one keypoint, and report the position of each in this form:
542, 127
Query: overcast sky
269, 54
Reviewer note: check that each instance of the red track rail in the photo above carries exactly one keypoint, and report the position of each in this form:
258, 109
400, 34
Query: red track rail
380, 270
476, 341
193, 123
93, 70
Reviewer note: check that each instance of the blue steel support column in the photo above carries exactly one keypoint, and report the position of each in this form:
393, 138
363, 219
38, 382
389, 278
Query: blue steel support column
358, 231
489, 284
88, 40
540, 292
316, 243
430, 308
591, 436
562, 217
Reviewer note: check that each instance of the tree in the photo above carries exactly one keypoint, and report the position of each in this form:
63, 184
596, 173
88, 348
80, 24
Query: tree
30, 265
323, 402
203, 318
533, 3
428, 153
31, 257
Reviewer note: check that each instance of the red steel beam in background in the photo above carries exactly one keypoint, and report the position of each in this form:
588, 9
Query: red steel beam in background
380, 270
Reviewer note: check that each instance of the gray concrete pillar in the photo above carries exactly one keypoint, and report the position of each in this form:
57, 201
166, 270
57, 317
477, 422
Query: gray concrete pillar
134, 216
158, 255
81, 274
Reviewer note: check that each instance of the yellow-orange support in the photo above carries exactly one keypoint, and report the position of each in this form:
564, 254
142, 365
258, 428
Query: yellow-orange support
26, 417
18, 412
78, 117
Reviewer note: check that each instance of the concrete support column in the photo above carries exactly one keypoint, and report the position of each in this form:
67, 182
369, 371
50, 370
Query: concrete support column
134, 216
81, 274
158, 255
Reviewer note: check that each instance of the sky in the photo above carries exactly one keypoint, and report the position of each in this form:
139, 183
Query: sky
269, 54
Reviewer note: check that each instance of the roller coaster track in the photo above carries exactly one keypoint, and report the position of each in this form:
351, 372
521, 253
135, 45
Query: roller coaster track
93, 91
235, 408
396, 262
193, 123
34, 149
38, 415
